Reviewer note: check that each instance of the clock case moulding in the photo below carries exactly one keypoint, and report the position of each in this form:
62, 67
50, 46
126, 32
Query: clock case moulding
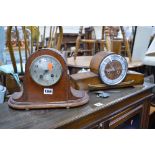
32, 96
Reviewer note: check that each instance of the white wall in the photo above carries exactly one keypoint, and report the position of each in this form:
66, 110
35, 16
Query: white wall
141, 43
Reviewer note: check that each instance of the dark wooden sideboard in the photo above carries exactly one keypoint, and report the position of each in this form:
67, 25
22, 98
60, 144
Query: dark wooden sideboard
125, 108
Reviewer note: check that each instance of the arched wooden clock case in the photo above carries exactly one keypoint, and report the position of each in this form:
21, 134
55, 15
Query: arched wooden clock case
61, 93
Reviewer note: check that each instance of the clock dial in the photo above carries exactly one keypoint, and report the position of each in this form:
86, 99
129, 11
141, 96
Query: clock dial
113, 69
46, 70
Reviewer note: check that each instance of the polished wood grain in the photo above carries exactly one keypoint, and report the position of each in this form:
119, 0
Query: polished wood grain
78, 42
19, 48
91, 81
10, 47
84, 62
108, 39
126, 42
32, 96
60, 38
86, 116
97, 59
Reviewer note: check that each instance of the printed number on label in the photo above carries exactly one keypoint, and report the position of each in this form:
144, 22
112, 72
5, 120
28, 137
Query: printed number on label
48, 91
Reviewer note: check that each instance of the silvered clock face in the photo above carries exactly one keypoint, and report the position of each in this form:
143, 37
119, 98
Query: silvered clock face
46, 70
113, 69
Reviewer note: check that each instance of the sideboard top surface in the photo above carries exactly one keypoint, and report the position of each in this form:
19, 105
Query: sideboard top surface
55, 118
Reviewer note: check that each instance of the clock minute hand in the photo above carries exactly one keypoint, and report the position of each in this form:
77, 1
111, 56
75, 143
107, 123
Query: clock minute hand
113, 69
